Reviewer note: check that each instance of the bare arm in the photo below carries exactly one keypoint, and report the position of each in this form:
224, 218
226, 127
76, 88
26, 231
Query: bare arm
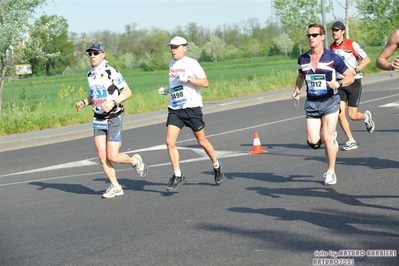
82, 103
200, 82
126, 93
346, 81
389, 49
298, 85
348, 78
365, 61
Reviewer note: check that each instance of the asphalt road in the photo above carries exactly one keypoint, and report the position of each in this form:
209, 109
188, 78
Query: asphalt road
271, 209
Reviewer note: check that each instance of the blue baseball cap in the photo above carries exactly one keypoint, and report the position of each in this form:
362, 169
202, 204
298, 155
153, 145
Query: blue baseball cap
96, 47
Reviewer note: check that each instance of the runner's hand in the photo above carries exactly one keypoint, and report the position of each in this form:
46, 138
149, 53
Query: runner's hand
163, 91
79, 106
183, 77
297, 95
395, 64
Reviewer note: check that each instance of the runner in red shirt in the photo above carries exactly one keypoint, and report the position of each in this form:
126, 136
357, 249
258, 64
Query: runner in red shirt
356, 59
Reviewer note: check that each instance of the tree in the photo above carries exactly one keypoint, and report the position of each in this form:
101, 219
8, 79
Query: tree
47, 48
348, 18
196, 34
154, 46
380, 18
252, 48
283, 43
214, 47
296, 15
14, 22
194, 51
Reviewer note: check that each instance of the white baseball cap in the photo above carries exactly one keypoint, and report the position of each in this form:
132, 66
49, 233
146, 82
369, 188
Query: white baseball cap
177, 41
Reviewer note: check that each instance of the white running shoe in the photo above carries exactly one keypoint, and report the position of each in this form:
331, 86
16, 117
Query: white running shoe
113, 191
330, 178
369, 122
350, 145
140, 167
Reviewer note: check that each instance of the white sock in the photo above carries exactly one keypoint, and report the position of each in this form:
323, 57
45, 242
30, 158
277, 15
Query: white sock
178, 173
216, 165
116, 185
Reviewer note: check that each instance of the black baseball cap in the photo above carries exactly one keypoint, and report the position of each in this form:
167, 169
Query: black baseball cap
96, 47
338, 25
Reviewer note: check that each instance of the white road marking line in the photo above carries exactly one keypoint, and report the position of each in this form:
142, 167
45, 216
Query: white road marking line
55, 167
390, 105
220, 154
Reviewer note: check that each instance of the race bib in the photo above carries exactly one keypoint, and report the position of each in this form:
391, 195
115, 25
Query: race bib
100, 123
317, 84
177, 95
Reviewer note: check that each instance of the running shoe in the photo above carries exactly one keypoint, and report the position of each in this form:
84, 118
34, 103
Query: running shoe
369, 122
218, 175
140, 167
350, 145
330, 178
113, 191
175, 182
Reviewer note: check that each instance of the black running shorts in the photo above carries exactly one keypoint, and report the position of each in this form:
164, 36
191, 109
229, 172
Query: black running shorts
190, 117
351, 94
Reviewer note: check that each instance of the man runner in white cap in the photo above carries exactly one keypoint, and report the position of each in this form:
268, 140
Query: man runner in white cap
186, 76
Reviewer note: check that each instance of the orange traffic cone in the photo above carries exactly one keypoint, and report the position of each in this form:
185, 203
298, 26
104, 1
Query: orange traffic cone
257, 147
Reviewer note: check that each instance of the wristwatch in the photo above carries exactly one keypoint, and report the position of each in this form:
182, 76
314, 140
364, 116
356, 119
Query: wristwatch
340, 83
357, 71
115, 103
188, 79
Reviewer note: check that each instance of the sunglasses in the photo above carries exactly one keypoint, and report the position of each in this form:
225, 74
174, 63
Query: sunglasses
314, 35
93, 53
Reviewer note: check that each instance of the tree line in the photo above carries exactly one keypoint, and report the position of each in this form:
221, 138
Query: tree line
51, 49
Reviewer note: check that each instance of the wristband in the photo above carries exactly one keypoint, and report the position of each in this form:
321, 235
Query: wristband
84, 103
115, 103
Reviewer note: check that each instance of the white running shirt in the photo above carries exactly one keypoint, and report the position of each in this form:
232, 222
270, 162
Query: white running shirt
182, 94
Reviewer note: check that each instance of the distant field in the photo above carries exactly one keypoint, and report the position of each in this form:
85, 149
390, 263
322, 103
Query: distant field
37, 103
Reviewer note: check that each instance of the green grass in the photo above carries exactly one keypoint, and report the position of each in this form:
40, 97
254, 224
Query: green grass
37, 103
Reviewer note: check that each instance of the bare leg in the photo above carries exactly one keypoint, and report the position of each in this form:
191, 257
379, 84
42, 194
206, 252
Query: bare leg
206, 145
171, 138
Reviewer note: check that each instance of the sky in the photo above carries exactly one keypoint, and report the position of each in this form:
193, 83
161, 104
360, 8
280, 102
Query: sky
90, 16
86, 16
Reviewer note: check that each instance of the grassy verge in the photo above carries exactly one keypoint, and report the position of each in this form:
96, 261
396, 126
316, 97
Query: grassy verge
38, 103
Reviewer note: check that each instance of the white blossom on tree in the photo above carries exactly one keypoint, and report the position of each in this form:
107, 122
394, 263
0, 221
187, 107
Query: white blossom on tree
283, 43
214, 47
15, 16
